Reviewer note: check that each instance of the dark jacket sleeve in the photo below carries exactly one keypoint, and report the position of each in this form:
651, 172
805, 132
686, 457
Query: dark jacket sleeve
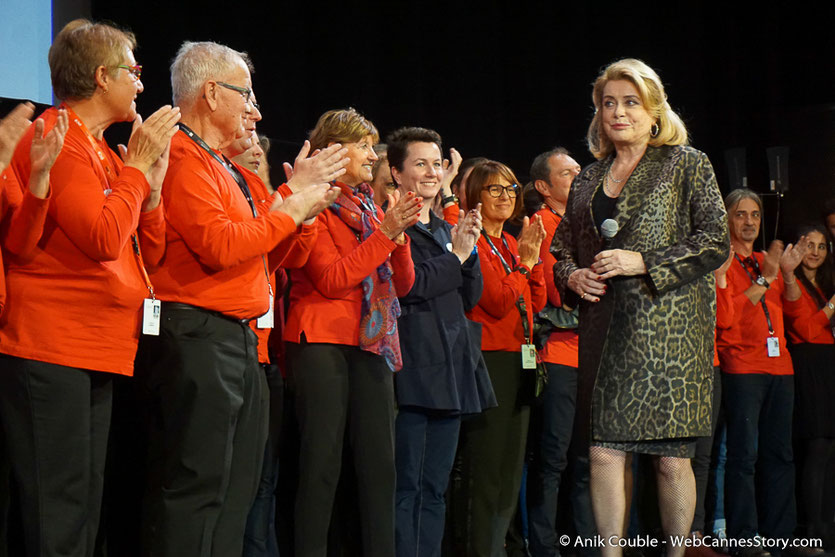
706, 247
473, 283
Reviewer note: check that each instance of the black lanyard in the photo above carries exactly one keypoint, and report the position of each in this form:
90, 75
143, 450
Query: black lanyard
754, 281
237, 176
520, 302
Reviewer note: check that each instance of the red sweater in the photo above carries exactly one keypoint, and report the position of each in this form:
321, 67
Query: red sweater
807, 322
214, 246
23, 216
292, 251
78, 300
563, 345
326, 295
496, 310
742, 346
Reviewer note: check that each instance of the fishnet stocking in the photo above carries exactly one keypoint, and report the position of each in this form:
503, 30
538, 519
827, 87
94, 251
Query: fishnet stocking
609, 496
676, 499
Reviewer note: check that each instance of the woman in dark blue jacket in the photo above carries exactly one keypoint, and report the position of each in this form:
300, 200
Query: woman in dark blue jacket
443, 375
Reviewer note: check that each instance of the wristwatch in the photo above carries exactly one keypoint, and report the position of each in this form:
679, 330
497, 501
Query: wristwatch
762, 282
830, 305
449, 199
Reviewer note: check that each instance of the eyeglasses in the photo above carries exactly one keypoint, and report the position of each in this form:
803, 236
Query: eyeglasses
245, 92
496, 190
136, 70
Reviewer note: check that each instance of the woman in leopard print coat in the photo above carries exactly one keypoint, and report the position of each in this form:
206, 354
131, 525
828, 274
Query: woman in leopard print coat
647, 302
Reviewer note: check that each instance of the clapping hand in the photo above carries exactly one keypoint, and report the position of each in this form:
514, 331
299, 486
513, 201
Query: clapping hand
530, 240
12, 128
149, 140
321, 167
465, 234
403, 212
44, 151
792, 255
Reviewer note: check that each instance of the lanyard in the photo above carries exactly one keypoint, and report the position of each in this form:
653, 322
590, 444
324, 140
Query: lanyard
520, 302
753, 281
107, 165
239, 179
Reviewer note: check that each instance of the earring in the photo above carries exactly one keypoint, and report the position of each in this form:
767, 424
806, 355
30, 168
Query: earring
654, 129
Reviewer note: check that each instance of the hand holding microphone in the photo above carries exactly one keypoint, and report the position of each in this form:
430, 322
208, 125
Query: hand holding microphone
616, 262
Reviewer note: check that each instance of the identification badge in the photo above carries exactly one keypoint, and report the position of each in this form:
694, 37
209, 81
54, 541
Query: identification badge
266, 321
773, 344
151, 317
528, 356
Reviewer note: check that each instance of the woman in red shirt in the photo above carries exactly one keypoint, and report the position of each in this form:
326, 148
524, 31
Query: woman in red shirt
812, 345
74, 308
493, 442
342, 342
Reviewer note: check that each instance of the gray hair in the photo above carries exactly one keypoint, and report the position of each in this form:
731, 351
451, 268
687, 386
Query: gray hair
737, 195
197, 63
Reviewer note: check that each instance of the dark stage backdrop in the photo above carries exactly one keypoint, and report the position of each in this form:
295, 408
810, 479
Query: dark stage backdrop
509, 79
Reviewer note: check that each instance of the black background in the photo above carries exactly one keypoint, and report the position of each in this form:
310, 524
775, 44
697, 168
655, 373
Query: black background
509, 79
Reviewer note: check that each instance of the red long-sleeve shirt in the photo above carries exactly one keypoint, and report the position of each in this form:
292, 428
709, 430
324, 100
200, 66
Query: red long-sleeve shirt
742, 346
326, 294
23, 216
292, 252
496, 310
214, 246
563, 345
807, 322
77, 301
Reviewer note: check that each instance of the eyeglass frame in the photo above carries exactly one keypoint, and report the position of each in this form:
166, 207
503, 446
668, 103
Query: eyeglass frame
245, 92
512, 190
135, 70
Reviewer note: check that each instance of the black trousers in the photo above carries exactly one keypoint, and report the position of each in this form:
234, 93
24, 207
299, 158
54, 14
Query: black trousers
704, 450
56, 419
493, 448
759, 474
550, 460
208, 428
339, 387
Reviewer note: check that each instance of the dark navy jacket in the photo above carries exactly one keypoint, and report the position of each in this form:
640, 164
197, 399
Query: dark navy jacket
442, 365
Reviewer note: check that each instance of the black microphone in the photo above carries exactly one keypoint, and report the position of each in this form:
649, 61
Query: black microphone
608, 229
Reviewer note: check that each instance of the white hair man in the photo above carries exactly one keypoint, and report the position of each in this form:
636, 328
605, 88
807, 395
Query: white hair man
210, 400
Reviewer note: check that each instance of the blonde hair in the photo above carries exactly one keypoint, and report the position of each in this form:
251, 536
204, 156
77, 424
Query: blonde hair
341, 126
78, 50
671, 130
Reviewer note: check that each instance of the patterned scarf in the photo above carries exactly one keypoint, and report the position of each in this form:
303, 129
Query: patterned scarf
380, 307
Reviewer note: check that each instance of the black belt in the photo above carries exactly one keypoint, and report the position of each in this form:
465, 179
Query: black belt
178, 305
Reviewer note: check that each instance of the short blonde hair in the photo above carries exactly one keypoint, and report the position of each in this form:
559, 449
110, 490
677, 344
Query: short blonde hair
78, 50
672, 130
482, 175
341, 126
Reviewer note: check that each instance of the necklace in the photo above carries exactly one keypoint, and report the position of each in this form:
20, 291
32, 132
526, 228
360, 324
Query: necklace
608, 191
612, 178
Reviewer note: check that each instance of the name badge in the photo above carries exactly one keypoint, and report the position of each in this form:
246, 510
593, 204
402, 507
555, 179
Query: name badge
266, 321
773, 344
528, 356
151, 317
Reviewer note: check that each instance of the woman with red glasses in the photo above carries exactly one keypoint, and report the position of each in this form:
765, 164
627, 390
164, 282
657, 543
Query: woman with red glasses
74, 309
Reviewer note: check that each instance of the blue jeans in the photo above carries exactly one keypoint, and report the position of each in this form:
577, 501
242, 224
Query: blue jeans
424, 451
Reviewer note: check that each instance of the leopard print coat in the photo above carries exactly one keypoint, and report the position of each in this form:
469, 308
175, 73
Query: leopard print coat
646, 349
